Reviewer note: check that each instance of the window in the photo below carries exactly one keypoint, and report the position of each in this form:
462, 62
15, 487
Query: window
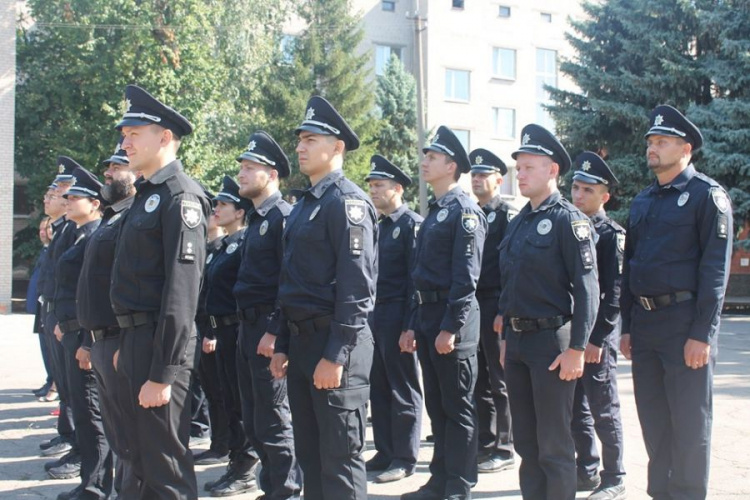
463, 137
457, 85
388, 5
504, 123
503, 11
546, 74
546, 17
458, 4
383, 54
287, 48
504, 63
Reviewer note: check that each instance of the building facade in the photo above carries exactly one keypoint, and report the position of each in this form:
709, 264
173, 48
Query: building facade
7, 133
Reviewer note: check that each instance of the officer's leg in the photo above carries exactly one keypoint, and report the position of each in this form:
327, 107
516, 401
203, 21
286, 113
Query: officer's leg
500, 427
434, 406
281, 476
690, 397
457, 377
65, 425
380, 395
402, 373
653, 412
162, 433
200, 419
127, 397
209, 377
523, 412
582, 430
600, 384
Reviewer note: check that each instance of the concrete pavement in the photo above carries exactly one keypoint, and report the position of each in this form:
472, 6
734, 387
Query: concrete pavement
24, 423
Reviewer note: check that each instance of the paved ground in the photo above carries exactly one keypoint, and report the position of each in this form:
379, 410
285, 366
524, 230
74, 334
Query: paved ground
24, 423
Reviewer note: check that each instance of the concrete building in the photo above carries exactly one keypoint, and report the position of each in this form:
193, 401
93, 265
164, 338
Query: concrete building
484, 62
7, 134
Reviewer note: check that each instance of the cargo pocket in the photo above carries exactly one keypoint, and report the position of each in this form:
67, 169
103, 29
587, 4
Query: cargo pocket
344, 435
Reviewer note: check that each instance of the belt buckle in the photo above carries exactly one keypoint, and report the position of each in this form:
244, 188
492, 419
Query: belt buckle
212, 320
514, 324
419, 297
647, 303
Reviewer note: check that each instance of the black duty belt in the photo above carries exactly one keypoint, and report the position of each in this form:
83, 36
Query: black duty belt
218, 321
309, 326
253, 314
48, 306
487, 293
137, 319
520, 325
104, 333
389, 300
660, 301
69, 326
431, 296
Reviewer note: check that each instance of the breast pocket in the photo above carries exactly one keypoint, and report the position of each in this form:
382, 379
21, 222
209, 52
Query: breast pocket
314, 252
147, 233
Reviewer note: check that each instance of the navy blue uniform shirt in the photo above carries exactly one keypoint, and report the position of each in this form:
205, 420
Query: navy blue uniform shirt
449, 254
499, 213
548, 267
396, 247
330, 264
159, 263
201, 316
68, 271
680, 239
62, 237
609, 254
221, 275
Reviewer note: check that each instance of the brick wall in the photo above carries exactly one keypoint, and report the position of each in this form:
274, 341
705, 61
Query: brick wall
7, 112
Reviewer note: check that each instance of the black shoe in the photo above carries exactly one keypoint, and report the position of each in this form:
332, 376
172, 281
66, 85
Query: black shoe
71, 455
611, 492
43, 390
57, 449
495, 463
236, 486
198, 441
459, 497
227, 476
68, 470
50, 442
378, 462
210, 457
588, 483
393, 474
426, 492
70, 495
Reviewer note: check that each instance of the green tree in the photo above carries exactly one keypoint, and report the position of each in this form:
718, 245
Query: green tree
321, 60
396, 97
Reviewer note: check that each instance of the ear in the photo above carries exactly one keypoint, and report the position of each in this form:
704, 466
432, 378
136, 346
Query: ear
339, 147
239, 214
166, 137
555, 169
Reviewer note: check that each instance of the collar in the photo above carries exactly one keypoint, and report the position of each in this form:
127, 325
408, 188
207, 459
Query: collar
232, 238
447, 197
164, 173
88, 228
551, 200
599, 216
396, 214
318, 189
121, 205
679, 183
59, 222
267, 204
492, 205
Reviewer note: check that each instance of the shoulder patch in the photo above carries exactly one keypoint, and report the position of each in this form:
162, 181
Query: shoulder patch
356, 211
720, 199
191, 213
621, 242
469, 222
581, 229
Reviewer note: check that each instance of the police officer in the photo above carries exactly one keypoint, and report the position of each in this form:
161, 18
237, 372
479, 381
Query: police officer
677, 257
155, 284
84, 203
63, 237
265, 406
491, 394
94, 311
395, 394
446, 319
549, 296
326, 293
593, 181
221, 275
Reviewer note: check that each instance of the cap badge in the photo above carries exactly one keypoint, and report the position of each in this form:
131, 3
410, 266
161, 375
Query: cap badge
436, 138
586, 166
683, 199
372, 165
544, 226
251, 146
310, 113
117, 148
525, 140
128, 104
60, 168
478, 160
658, 120
152, 203
442, 214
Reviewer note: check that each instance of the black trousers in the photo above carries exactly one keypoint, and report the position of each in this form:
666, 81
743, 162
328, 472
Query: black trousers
541, 406
491, 392
266, 416
200, 420
46, 357
449, 382
159, 436
208, 373
596, 413
96, 457
674, 402
395, 394
65, 425
329, 425
102, 353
